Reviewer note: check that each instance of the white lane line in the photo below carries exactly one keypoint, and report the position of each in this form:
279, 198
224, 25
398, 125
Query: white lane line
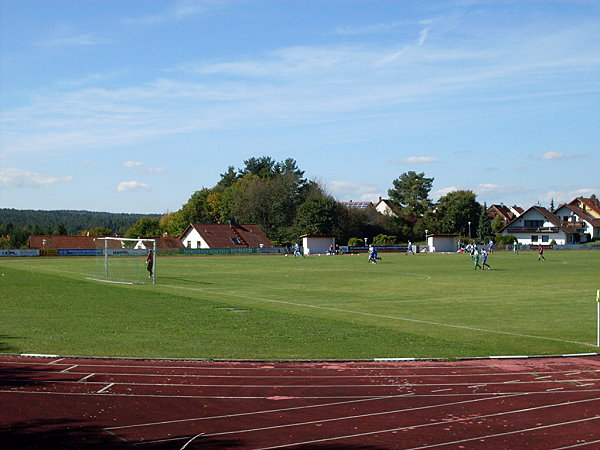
68, 368
86, 377
522, 430
336, 419
105, 388
581, 444
56, 361
446, 422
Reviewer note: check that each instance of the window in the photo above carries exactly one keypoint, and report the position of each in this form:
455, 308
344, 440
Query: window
198, 244
545, 238
534, 238
236, 241
534, 223
189, 244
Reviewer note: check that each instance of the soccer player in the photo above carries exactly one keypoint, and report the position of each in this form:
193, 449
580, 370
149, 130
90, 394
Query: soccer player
484, 256
149, 262
409, 249
297, 250
541, 253
476, 259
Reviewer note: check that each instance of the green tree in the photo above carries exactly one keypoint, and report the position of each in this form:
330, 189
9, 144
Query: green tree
145, 227
317, 215
484, 228
455, 210
410, 192
497, 224
383, 239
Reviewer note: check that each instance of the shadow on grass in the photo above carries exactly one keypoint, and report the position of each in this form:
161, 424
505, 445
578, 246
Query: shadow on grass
5, 346
182, 280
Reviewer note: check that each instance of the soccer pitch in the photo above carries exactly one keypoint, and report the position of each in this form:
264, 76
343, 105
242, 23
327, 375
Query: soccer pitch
321, 307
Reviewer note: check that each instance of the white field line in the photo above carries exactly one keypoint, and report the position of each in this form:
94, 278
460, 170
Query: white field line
446, 422
105, 388
381, 316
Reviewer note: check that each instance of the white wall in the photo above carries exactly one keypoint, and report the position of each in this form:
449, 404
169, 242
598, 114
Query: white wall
441, 243
317, 245
193, 237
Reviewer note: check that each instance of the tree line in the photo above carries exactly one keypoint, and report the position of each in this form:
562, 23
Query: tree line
276, 196
17, 225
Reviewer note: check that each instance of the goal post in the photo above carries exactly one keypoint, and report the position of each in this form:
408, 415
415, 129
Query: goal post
125, 260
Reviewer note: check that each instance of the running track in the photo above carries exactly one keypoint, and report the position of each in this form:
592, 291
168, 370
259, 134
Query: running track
535, 403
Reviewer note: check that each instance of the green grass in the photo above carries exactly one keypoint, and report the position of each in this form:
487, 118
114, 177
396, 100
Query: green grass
276, 307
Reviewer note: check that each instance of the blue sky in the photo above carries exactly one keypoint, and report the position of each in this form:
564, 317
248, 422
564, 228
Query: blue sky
133, 105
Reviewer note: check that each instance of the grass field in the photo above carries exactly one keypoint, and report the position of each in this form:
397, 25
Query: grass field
276, 307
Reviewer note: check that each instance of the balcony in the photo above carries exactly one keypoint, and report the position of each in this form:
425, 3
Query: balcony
513, 230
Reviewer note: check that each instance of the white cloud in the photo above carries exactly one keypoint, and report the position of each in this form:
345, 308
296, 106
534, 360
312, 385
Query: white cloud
444, 191
416, 160
132, 164
125, 186
558, 155
68, 36
13, 177
157, 170
353, 191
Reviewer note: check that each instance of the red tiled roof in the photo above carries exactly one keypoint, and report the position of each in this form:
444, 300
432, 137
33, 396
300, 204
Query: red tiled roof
589, 204
218, 235
87, 242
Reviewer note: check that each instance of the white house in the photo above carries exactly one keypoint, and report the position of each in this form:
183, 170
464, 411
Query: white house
385, 207
317, 244
538, 225
441, 243
218, 235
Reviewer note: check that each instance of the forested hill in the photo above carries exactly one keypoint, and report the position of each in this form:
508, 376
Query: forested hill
73, 221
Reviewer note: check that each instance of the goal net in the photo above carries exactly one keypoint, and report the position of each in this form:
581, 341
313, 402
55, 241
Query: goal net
127, 261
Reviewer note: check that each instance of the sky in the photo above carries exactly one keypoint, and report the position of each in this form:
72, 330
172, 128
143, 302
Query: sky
133, 105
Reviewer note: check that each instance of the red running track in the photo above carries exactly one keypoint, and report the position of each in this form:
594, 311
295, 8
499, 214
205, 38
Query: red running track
536, 403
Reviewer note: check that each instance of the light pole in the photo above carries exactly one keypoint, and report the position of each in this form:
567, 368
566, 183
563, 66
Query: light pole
469, 230
426, 236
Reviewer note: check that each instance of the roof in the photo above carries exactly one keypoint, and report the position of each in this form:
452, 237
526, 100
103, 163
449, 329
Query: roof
357, 205
588, 204
581, 213
548, 215
505, 212
89, 242
220, 235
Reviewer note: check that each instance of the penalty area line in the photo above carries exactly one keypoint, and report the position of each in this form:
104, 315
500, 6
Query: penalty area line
382, 316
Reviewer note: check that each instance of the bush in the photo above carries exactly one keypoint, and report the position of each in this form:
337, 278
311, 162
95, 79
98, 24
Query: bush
383, 240
356, 242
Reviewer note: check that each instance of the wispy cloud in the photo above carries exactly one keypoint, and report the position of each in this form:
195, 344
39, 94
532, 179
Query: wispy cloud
549, 156
69, 36
353, 191
132, 164
178, 10
375, 28
416, 160
125, 186
14, 177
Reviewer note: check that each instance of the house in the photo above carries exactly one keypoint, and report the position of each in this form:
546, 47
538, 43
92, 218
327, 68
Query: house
313, 244
385, 207
538, 225
581, 219
589, 205
505, 213
219, 235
